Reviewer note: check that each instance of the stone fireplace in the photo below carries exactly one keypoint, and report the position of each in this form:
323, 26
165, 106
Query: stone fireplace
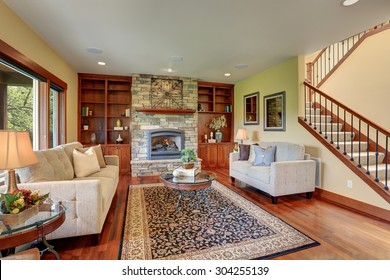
144, 123
164, 143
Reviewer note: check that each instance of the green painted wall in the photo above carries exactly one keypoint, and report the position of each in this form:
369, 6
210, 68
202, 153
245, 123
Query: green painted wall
283, 77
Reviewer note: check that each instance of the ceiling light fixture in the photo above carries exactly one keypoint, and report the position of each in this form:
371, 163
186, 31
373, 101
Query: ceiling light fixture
176, 58
101, 63
170, 70
241, 66
347, 3
227, 74
94, 50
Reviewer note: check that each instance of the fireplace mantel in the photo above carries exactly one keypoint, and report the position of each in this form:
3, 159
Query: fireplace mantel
165, 111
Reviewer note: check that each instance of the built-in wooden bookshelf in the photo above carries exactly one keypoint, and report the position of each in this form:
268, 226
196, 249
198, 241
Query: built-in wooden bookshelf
104, 114
215, 100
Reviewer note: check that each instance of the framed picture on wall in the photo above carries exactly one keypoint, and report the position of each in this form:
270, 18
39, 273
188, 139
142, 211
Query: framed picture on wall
251, 108
275, 112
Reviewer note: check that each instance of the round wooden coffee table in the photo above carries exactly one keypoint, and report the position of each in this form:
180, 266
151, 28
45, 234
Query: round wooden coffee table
200, 182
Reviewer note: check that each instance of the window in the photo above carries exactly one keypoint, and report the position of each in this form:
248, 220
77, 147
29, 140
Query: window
18, 95
54, 117
31, 100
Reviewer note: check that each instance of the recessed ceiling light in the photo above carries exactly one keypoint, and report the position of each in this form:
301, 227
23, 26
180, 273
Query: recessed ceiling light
176, 58
241, 66
170, 70
347, 3
101, 63
94, 50
227, 74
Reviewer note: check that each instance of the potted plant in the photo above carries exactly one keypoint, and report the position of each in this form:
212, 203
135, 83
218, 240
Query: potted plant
188, 158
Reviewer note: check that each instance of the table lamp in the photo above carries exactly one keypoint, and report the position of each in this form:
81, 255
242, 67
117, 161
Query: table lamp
15, 152
242, 134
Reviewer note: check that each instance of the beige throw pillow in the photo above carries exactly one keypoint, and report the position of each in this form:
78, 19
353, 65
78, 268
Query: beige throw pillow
85, 162
99, 154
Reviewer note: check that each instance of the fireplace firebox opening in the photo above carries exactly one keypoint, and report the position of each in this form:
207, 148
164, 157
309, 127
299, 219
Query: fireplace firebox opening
164, 143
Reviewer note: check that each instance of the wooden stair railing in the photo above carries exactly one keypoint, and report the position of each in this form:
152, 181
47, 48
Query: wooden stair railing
358, 142
330, 58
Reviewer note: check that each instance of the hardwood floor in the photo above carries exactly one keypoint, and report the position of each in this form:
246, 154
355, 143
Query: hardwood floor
344, 235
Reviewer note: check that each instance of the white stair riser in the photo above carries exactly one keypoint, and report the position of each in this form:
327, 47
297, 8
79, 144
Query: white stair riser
348, 136
312, 111
388, 183
327, 126
319, 118
371, 157
355, 145
381, 171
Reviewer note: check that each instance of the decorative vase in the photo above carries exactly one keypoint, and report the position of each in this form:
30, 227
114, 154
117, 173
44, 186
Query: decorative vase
119, 140
118, 123
21, 217
93, 137
188, 165
218, 136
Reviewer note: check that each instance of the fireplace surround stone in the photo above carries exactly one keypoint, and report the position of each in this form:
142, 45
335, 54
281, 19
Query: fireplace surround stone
143, 122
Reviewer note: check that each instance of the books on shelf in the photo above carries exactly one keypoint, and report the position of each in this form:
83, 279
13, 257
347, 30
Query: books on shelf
182, 172
84, 111
118, 127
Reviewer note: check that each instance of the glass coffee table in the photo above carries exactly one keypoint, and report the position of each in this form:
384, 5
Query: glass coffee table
182, 184
49, 218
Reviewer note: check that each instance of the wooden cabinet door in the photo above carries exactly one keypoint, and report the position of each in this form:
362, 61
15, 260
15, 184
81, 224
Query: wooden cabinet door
224, 149
202, 154
123, 153
212, 155
124, 159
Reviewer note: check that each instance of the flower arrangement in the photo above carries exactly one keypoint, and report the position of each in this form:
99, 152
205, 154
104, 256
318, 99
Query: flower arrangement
20, 200
218, 123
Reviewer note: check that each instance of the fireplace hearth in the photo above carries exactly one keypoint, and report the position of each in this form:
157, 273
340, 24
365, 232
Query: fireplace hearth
164, 143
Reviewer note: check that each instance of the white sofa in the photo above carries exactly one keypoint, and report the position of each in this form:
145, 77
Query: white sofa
87, 199
291, 172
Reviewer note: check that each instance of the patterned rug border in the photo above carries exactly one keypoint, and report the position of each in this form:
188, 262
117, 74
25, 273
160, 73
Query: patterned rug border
245, 203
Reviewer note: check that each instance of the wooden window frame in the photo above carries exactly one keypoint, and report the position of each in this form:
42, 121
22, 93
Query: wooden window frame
50, 80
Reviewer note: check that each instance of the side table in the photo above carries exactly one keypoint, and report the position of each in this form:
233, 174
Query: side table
49, 218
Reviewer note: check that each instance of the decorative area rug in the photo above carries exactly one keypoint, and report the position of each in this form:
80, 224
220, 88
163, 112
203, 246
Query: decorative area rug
220, 225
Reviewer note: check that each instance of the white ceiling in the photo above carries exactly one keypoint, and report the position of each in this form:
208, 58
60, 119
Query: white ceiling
212, 36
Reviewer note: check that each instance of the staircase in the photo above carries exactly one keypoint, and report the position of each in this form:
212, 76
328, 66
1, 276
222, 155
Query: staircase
359, 143
330, 58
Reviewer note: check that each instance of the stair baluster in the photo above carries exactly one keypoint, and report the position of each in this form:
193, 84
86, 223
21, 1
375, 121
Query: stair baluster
351, 158
359, 139
368, 150
345, 133
338, 127
387, 162
331, 121
376, 156
326, 119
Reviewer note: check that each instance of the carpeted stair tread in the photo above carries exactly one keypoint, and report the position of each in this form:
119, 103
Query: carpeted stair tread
371, 157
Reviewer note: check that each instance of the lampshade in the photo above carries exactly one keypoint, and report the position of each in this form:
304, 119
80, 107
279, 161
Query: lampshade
242, 134
16, 150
